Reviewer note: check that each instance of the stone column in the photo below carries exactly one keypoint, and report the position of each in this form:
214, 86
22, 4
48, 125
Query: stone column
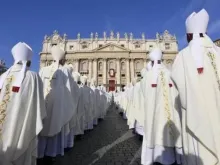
95, 70
145, 62
132, 69
90, 69
118, 74
76, 65
128, 71
104, 71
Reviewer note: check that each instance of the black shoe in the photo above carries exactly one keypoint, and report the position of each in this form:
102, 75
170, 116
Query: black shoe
49, 160
78, 137
133, 131
67, 149
140, 137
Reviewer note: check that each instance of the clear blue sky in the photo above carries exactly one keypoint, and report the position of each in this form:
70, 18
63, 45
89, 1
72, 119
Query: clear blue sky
29, 21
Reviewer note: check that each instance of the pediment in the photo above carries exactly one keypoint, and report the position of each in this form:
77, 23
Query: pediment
111, 47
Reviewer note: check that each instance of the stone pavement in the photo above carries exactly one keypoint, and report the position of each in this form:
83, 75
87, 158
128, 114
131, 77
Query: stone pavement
109, 143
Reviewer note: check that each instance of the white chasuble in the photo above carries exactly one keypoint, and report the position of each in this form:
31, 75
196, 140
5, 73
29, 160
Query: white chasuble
75, 91
162, 128
199, 95
130, 108
59, 101
93, 101
21, 118
138, 104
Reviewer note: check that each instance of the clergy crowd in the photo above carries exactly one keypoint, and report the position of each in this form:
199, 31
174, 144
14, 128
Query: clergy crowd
176, 111
41, 113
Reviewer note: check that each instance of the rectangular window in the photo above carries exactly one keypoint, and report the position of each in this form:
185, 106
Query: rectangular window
122, 45
100, 75
137, 46
123, 75
71, 47
84, 46
53, 45
167, 46
100, 45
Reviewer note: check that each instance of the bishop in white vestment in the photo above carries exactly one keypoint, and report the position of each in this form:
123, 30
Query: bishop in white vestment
162, 129
95, 101
22, 109
69, 141
59, 105
131, 109
139, 104
196, 74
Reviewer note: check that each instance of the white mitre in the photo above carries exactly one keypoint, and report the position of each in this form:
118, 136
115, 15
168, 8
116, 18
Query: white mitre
83, 79
197, 24
93, 82
70, 67
21, 53
156, 57
76, 76
57, 54
189, 24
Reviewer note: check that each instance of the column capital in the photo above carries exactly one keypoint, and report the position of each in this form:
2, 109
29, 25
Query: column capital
118, 59
76, 59
90, 59
104, 60
69, 60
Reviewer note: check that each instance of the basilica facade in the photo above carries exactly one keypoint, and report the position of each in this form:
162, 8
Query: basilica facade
217, 42
113, 60
3, 68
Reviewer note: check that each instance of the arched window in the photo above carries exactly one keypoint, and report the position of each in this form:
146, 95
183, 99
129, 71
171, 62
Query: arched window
123, 66
100, 66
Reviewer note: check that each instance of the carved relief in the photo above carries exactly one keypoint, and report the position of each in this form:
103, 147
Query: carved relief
111, 64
